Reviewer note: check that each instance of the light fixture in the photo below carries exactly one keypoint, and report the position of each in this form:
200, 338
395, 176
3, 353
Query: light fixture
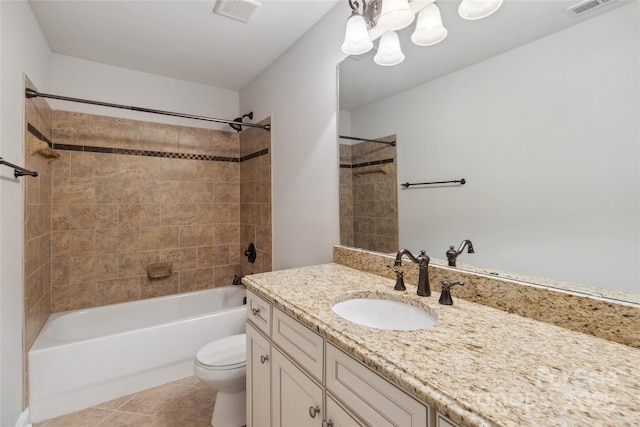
381, 18
389, 52
478, 9
356, 37
395, 15
429, 29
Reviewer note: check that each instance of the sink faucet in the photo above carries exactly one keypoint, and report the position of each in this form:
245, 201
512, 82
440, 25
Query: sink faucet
424, 290
452, 254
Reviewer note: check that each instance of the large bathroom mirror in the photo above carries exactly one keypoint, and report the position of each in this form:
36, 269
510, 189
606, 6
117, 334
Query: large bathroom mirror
538, 109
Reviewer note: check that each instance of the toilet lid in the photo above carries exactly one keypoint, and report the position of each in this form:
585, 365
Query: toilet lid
229, 352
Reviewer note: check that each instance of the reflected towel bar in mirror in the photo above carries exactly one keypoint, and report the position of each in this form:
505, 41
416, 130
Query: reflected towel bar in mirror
458, 181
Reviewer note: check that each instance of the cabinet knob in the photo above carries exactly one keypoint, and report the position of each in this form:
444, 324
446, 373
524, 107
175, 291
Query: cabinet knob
314, 411
327, 423
263, 359
255, 311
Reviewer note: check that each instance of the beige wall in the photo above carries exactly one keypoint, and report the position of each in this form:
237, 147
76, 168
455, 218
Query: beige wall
114, 213
255, 197
368, 196
37, 230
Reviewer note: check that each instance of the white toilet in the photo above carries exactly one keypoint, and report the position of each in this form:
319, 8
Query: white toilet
221, 366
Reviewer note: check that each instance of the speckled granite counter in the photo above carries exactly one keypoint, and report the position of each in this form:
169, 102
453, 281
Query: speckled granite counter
478, 365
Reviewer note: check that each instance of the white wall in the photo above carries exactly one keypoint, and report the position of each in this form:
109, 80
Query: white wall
299, 92
22, 49
550, 154
79, 78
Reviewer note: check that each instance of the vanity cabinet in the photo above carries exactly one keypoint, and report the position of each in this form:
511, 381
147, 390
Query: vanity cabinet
295, 378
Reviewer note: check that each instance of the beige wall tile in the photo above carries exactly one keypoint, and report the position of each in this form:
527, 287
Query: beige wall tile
117, 240
157, 137
139, 215
182, 259
154, 238
139, 167
85, 269
223, 275
195, 280
85, 164
72, 242
196, 235
209, 256
225, 234
135, 263
227, 193
73, 190
179, 214
150, 288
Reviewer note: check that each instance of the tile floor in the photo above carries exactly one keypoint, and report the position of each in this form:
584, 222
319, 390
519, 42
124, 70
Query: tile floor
183, 403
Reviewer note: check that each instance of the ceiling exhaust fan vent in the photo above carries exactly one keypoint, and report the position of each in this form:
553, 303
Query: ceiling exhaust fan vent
241, 10
587, 6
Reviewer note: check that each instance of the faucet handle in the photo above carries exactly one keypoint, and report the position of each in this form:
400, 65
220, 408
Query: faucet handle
445, 296
399, 278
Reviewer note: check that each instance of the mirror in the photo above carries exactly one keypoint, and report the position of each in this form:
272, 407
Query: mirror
539, 112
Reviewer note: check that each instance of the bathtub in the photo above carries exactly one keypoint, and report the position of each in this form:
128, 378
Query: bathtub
85, 357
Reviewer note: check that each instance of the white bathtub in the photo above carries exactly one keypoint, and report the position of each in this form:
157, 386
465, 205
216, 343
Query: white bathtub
85, 357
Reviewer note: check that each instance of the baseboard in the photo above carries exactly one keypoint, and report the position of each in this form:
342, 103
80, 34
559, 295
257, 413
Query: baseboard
23, 420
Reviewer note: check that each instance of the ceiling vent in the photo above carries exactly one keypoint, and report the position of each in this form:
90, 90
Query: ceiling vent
242, 10
587, 6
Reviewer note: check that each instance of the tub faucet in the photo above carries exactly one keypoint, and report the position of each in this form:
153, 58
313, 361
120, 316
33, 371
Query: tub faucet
424, 290
452, 254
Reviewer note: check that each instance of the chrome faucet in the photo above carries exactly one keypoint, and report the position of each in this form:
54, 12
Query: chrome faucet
452, 254
424, 290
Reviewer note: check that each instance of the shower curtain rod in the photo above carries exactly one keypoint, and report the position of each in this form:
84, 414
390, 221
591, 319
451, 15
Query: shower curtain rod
30, 93
392, 143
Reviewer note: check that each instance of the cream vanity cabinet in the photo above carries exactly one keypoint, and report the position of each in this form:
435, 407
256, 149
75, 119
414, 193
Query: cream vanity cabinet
296, 379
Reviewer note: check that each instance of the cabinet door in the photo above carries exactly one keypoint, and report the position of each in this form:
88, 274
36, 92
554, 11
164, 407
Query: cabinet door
258, 379
296, 399
337, 416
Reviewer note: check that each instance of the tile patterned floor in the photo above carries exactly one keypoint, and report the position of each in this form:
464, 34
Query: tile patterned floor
184, 403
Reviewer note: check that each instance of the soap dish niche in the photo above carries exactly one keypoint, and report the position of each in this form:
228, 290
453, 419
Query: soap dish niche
42, 148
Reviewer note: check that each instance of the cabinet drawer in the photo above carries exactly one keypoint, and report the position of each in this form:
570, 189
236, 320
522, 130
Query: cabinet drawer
259, 312
301, 343
376, 401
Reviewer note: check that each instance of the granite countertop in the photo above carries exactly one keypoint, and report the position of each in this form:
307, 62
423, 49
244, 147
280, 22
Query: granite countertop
479, 366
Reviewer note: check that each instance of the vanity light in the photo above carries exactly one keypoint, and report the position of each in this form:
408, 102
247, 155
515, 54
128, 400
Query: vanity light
429, 29
389, 52
381, 18
356, 38
478, 9
395, 15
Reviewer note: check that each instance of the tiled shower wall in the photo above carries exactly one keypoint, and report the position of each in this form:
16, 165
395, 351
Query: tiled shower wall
37, 230
368, 196
255, 197
128, 193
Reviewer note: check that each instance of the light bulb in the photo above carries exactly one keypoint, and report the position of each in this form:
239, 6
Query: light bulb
389, 52
429, 29
395, 15
356, 37
478, 9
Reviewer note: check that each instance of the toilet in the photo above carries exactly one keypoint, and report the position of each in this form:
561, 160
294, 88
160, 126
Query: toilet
221, 366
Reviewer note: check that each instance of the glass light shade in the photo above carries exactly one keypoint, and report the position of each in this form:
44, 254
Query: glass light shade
395, 15
356, 37
389, 52
429, 29
478, 9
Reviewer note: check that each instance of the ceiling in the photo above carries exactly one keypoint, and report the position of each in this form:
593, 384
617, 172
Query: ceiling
516, 23
180, 39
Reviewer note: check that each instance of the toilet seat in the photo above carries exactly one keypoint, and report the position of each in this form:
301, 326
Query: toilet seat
224, 354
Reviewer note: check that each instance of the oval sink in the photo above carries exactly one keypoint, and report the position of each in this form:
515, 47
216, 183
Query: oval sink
384, 314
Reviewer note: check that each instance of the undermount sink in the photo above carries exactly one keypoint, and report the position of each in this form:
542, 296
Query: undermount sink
384, 314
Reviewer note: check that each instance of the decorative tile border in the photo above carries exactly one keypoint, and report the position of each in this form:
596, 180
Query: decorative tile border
147, 153
361, 165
